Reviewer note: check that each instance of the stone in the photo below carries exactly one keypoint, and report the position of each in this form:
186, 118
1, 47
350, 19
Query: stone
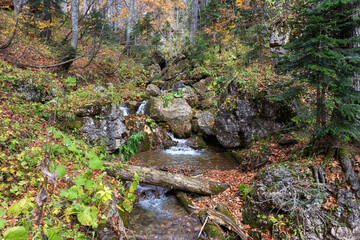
207, 103
241, 119
30, 92
286, 141
103, 123
206, 122
280, 35
201, 87
154, 136
190, 96
153, 90
177, 114
176, 69
133, 106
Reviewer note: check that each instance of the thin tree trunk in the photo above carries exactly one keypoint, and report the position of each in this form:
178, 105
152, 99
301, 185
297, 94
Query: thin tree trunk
47, 19
131, 20
85, 7
356, 33
194, 19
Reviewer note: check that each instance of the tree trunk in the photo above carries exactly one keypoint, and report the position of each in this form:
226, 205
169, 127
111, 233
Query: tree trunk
46, 32
85, 6
168, 180
356, 33
130, 20
194, 19
74, 24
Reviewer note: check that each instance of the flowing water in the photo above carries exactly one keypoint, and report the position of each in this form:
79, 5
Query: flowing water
158, 214
142, 107
125, 110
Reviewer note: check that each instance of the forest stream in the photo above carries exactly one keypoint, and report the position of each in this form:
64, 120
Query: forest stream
158, 214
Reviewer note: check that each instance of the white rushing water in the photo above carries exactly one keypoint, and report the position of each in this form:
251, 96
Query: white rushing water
181, 148
125, 110
153, 199
142, 107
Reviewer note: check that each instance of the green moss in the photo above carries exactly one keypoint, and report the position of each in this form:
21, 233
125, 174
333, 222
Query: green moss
218, 188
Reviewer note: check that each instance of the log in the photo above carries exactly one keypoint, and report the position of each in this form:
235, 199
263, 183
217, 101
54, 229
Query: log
185, 201
224, 220
212, 229
165, 179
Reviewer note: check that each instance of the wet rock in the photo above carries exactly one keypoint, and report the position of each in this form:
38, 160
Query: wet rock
173, 86
153, 90
242, 119
196, 142
133, 106
177, 114
190, 96
206, 122
155, 136
102, 123
289, 190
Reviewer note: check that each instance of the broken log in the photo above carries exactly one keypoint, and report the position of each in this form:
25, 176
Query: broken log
185, 201
224, 220
165, 179
212, 229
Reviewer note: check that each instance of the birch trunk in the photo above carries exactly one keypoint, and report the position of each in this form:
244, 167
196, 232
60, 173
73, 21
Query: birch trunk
194, 19
74, 24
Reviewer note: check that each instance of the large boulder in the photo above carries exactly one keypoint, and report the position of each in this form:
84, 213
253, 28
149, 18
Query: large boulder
242, 119
190, 96
154, 136
288, 191
202, 87
280, 35
153, 90
29, 91
176, 112
102, 123
206, 122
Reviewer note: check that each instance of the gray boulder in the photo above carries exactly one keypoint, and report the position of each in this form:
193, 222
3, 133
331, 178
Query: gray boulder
242, 119
190, 96
177, 113
206, 122
30, 92
280, 34
103, 123
153, 90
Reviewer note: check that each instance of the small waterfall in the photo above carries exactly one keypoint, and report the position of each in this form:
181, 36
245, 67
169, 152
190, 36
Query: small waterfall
125, 110
142, 107
153, 199
181, 148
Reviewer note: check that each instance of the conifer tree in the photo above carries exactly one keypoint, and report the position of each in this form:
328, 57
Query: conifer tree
321, 57
325, 59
